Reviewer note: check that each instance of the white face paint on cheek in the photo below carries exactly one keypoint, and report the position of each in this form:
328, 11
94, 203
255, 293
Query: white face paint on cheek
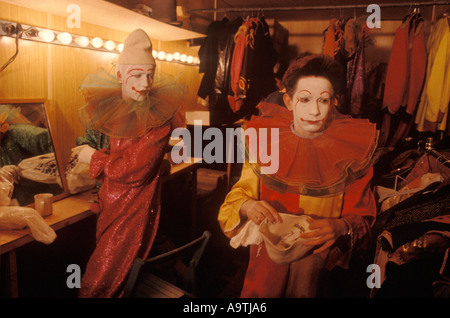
136, 81
311, 105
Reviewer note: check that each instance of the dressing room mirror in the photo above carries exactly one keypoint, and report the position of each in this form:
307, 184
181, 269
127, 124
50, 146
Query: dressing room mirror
27, 147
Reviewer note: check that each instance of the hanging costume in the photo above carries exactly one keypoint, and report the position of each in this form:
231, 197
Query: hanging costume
215, 56
404, 79
251, 74
327, 176
237, 59
345, 41
432, 112
128, 170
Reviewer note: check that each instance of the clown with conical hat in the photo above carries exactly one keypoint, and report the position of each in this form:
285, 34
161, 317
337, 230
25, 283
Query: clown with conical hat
135, 111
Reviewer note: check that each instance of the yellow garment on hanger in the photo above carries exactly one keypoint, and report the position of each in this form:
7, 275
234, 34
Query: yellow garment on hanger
433, 107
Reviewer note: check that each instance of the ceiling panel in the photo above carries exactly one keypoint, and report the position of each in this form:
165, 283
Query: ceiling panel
285, 10
197, 21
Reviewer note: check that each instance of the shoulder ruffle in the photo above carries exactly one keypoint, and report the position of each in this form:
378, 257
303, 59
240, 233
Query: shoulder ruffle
107, 112
324, 165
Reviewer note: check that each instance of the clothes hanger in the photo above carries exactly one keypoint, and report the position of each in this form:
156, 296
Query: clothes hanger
411, 13
447, 16
341, 15
407, 15
418, 20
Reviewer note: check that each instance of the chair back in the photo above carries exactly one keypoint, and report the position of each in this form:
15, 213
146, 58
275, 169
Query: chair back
143, 272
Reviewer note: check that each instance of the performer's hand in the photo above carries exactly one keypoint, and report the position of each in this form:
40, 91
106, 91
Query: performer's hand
86, 153
324, 232
257, 211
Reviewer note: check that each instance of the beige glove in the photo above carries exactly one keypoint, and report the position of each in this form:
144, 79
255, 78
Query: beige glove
8, 176
17, 218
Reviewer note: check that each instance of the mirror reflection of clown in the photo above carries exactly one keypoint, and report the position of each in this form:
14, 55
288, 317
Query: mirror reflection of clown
136, 115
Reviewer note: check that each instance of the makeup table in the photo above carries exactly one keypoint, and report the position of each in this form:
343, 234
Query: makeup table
70, 210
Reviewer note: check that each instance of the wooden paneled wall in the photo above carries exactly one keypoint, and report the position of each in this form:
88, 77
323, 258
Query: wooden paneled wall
54, 72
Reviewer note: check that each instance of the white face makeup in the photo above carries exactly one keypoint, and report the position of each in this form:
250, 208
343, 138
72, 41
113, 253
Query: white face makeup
136, 81
310, 105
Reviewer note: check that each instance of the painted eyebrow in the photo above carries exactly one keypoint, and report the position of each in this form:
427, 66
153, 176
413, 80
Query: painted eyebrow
135, 69
325, 92
305, 90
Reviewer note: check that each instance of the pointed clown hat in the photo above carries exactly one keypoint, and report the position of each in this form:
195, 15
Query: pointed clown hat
137, 49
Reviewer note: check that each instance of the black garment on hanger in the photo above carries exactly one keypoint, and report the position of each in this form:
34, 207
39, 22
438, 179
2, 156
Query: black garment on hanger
215, 60
257, 68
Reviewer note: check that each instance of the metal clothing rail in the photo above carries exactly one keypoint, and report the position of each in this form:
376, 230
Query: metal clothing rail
439, 157
305, 8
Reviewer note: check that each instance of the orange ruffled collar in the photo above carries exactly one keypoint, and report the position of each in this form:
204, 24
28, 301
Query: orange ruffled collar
323, 165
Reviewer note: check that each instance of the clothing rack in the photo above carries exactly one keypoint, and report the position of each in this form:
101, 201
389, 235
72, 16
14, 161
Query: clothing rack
306, 8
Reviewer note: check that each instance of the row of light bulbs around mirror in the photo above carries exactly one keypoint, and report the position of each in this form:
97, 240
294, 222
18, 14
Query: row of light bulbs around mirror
111, 46
81, 41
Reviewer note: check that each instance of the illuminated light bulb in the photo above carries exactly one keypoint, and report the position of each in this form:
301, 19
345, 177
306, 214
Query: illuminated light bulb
97, 42
82, 41
120, 47
46, 35
196, 60
169, 57
183, 58
155, 53
161, 55
176, 56
110, 45
190, 59
64, 38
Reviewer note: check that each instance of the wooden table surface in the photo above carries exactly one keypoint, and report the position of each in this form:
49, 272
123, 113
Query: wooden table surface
65, 212
72, 209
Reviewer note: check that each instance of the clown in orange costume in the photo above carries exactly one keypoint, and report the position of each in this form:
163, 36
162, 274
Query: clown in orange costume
325, 171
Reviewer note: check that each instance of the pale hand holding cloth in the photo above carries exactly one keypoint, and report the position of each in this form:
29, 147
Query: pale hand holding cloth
77, 172
85, 154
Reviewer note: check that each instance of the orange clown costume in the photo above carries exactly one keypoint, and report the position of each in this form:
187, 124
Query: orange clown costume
327, 176
139, 129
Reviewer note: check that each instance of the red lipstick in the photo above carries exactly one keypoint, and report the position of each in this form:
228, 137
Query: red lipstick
143, 92
312, 122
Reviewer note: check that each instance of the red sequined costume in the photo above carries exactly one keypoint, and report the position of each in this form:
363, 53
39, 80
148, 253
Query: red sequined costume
129, 205
128, 171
